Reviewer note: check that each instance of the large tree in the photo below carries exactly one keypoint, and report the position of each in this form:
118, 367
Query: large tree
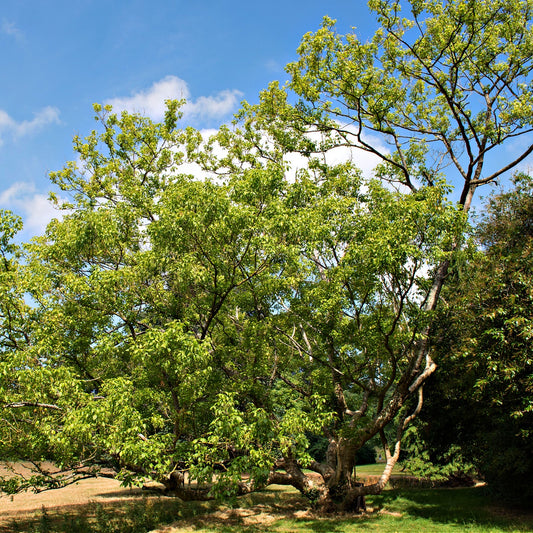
214, 324
436, 93
211, 326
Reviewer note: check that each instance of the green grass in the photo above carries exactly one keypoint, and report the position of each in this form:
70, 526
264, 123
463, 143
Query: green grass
284, 511
377, 470
445, 510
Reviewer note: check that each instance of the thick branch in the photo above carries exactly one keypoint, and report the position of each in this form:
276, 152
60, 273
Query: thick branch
16, 405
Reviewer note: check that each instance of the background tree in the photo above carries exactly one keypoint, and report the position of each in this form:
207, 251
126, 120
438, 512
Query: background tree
484, 337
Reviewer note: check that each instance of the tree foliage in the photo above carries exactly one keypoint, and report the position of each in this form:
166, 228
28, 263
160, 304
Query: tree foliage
213, 324
481, 402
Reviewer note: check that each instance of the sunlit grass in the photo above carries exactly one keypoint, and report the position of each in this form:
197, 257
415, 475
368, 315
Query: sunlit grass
430, 510
377, 470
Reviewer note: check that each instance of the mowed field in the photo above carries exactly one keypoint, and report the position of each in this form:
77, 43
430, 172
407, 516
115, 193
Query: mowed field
94, 490
101, 489
101, 505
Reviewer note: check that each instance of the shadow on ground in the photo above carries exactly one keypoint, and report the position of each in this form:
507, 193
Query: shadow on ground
462, 506
275, 510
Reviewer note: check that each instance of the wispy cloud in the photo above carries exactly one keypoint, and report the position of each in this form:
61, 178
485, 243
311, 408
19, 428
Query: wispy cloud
10, 29
34, 207
361, 159
274, 66
151, 102
41, 119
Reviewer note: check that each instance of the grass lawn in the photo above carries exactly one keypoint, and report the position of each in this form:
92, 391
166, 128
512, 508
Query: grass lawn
280, 509
410, 511
377, 470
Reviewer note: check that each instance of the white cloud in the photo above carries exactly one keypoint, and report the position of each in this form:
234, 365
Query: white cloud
16, 190
39, 212
151, 102
274, 66
361, 159
213, 106
44, 117
48, 115
10, 29
34, 207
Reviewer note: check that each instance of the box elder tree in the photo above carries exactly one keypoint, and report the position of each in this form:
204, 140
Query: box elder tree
198, 327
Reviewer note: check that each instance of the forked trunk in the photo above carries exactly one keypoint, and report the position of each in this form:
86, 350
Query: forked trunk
343, 480
338, 480
339, 490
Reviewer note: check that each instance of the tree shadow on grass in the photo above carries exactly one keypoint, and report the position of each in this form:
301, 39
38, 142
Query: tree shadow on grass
129, 516
257, 513
462, 506
264, 512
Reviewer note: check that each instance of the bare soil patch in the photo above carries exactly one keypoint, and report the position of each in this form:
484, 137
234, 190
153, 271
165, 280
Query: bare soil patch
103, 490
100, 490
258, 513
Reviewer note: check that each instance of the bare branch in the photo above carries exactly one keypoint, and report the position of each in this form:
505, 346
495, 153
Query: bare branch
17, 405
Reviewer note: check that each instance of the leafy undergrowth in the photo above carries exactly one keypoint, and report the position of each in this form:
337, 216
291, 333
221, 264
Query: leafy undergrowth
281, 510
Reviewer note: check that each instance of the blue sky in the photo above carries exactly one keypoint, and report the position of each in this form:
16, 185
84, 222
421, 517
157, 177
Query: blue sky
59, 57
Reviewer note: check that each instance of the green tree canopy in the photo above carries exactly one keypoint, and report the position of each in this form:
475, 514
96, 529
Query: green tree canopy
481, 403
212, 325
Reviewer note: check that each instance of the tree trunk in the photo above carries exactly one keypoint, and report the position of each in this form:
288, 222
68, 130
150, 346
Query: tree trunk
339, 479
